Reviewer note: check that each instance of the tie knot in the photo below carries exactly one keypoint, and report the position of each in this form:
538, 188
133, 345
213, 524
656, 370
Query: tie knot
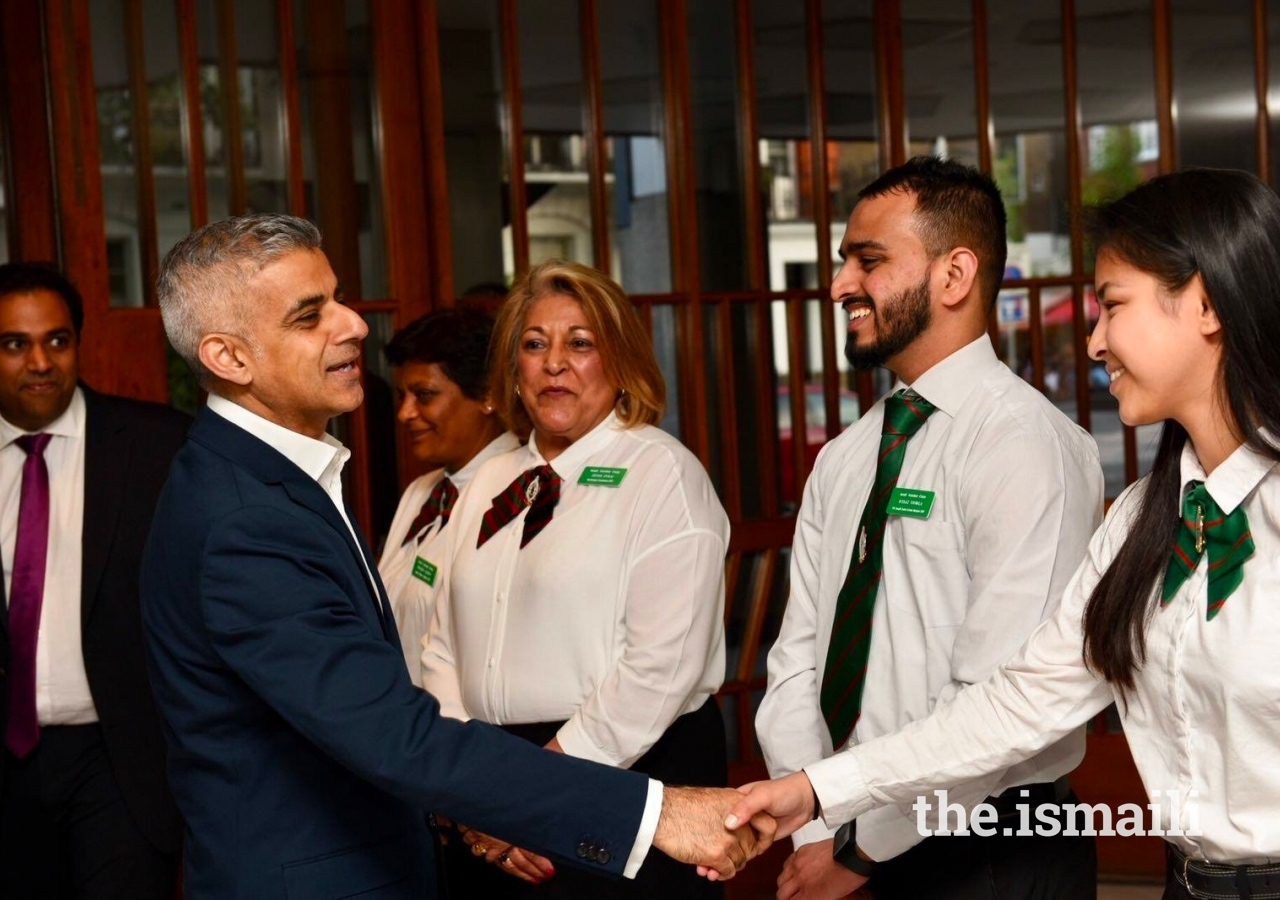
34, 444
905, 412
532, 481
1199, 507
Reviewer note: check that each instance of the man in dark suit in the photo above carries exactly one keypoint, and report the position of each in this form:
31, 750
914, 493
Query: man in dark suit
84, 808
301, 755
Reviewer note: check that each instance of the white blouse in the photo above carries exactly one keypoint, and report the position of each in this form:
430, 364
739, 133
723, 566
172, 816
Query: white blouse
1203, 722
612, 618
412, 585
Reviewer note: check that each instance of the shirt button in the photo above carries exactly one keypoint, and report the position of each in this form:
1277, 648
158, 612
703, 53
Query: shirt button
490, 664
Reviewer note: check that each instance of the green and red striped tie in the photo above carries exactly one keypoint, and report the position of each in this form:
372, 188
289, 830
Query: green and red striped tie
537, 488
439, 505
846, 669
1205, 529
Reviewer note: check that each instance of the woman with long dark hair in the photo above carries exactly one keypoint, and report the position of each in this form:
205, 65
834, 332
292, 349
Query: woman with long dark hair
1175, 613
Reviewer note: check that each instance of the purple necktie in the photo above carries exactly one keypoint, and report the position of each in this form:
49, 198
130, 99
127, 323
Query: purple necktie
26, 594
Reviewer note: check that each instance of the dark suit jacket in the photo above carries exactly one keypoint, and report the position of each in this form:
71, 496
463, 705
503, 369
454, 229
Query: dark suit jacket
128, 447
301, 755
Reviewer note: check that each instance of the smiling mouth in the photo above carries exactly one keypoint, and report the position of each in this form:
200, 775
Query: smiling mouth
1115, 373
351, 365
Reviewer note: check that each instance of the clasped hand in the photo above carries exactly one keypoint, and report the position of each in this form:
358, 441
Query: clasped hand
693, 829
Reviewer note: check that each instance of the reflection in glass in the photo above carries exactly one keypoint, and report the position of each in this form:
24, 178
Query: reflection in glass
1120, 141
116, 153
368, 213
717, 161
555, 151
639, 219
262, 120
853, 151
479, 199
1029, 158
1213, 84
942, 116
784, 148
1273, 88
212, 111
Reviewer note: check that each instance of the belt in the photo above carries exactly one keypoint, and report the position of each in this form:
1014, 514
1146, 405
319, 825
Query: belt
1214, 881
1012, 800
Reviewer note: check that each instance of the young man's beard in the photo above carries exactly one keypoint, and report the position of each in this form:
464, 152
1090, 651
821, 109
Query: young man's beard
899, 321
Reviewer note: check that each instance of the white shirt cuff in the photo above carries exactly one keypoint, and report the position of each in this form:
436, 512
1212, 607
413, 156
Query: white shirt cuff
815, 831
648, 828
841, 788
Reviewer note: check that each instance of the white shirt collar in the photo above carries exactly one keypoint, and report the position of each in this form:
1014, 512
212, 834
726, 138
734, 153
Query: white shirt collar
320, 459
577, 453
949, 382
1232, 481
70, 424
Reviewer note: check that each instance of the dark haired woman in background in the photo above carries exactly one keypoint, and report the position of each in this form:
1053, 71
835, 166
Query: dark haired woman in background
1175, 613
442, 388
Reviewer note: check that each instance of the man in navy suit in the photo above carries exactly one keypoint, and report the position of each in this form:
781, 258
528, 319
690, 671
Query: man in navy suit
300, 754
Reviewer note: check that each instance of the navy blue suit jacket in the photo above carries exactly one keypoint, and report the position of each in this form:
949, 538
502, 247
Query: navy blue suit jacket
301, 756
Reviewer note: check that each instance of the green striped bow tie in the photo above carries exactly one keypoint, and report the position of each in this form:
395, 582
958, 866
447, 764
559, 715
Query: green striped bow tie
1205, 529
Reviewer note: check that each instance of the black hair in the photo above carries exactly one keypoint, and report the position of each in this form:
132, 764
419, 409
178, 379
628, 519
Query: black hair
457, 340
23, 277
1225, 227
956, 206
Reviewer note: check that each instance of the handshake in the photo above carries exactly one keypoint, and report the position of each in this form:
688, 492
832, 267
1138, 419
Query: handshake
721, 829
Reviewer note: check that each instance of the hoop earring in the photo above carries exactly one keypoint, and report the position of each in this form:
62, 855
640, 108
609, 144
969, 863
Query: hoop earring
517, 390
622, 404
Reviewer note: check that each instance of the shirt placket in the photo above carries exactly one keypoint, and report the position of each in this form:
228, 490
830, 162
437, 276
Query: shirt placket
510, 536
1191, 602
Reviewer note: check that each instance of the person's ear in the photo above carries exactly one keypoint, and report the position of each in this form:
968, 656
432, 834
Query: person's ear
227, 358
959, 274
1207, 315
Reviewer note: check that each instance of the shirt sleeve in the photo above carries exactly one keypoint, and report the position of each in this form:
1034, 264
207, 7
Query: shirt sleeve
673, 628
1035, 699
789, 723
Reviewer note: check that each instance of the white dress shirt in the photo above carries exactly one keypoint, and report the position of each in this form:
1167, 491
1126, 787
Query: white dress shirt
62, 687
1202, 717
612, 618
1018, 490
322, 460
413, 598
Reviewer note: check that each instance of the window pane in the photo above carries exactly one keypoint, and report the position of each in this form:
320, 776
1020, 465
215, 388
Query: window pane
717, 162
853, 151
942, 115
471, 75
639, 219
262, 117
555, 150
1213, 87
4, 200
380, 422
116, 153
785, 153
1120, 142
1029, 156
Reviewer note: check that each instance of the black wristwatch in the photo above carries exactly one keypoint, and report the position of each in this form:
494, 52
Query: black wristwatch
845, 851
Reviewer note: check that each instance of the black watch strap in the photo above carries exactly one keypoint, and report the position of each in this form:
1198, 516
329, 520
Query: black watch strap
845, 851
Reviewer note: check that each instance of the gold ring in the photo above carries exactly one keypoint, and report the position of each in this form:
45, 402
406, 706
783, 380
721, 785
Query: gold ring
504, 859
479, 849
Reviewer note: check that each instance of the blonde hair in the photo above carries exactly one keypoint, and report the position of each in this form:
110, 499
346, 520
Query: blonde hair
625, 348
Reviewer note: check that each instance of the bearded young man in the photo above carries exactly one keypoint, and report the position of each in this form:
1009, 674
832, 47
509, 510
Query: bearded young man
933, 537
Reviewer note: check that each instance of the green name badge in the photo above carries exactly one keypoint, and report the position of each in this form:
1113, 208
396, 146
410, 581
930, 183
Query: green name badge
910, 502
602, 476
425, 571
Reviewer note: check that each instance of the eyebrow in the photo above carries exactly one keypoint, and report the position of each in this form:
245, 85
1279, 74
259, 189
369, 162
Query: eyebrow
858, 246
541, 330
304, 304
1101, 290
56, 332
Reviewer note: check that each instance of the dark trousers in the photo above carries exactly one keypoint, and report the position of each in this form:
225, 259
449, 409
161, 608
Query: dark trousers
691, 752
65, 831
1000, 867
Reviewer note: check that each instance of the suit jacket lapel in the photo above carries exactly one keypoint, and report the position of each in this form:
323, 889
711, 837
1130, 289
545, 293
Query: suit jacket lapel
107, 450
272, 467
